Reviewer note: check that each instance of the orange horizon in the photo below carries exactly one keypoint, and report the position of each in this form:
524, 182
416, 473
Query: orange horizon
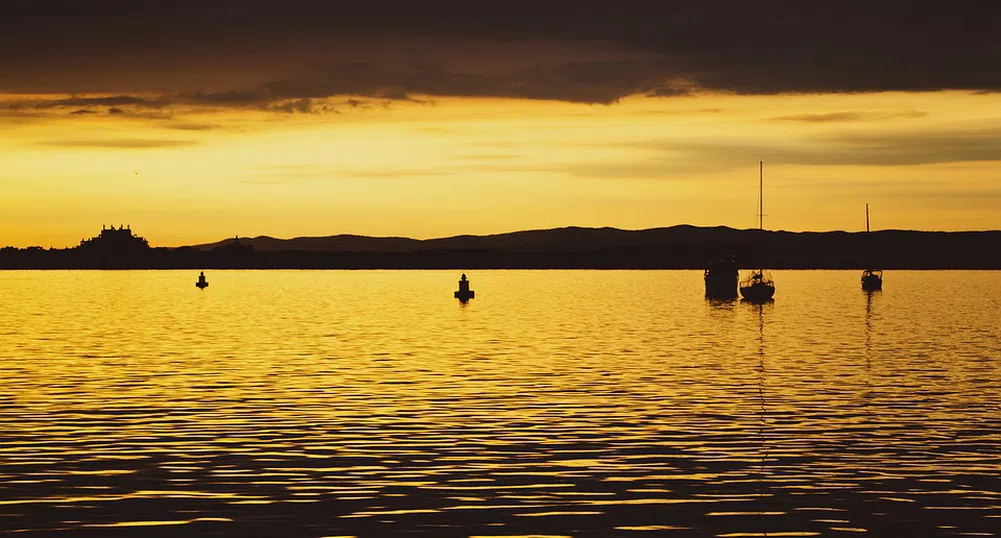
923, 160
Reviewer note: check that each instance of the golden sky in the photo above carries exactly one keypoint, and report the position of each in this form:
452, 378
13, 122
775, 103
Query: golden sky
493, 136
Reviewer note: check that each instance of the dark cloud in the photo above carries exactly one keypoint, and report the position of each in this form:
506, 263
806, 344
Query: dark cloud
589, 82
111, 101
680, 157
121, 143
271, 54
302, 106
81, 105
229, 98
833, 117
916, 147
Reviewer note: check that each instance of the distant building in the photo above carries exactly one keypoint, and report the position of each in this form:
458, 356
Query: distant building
113, 240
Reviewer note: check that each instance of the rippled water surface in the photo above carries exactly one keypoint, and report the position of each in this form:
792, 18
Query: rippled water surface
557, 403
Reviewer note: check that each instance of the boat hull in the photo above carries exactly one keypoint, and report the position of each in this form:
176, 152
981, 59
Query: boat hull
757, 293
872, 280
724, 287
872, 283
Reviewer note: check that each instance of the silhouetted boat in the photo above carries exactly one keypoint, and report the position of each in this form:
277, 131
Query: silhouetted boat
202, 283
721, 279
759, 286
464, 293
872, 279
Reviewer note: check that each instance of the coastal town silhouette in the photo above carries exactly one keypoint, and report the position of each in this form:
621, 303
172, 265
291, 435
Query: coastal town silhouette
676, 247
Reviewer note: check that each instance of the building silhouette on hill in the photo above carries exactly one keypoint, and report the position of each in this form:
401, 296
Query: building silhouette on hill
679, 247
113, 240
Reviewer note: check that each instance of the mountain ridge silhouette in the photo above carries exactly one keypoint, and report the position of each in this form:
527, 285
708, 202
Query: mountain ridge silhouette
573, 247
564, 238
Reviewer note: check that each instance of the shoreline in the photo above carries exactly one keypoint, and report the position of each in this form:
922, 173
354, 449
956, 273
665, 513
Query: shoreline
469, 268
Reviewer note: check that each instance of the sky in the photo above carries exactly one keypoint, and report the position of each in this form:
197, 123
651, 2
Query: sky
194, 121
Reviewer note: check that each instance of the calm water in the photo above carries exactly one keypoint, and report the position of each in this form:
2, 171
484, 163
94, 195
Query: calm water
557, 403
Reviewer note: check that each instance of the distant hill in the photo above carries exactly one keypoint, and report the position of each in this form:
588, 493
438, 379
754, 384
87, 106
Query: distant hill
332, 243
571, 238
676, 247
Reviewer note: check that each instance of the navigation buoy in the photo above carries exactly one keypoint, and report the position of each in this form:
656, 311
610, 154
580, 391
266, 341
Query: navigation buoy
202, 283
464, 294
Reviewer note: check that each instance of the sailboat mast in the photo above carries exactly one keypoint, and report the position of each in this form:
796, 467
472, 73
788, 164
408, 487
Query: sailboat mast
866, 218
761, 195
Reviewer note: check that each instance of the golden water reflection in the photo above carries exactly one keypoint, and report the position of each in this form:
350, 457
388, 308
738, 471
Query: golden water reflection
557, 403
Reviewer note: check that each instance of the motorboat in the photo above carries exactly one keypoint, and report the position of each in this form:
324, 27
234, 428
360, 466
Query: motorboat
872, 280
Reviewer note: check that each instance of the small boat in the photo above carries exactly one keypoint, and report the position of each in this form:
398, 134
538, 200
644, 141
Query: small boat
872, 279
464, 294
202, 283
721, 279
759, 287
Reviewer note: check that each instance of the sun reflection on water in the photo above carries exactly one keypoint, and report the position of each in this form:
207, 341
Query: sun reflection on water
370, 403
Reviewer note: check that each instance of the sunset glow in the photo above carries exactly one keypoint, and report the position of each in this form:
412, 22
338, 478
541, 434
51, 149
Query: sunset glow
507, 268
489, 165
293, 133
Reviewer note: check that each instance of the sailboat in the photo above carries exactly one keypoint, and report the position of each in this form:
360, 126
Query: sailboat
872, 279
759, 286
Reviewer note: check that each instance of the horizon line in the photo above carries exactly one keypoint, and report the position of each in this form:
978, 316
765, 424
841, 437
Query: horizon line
528, 230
